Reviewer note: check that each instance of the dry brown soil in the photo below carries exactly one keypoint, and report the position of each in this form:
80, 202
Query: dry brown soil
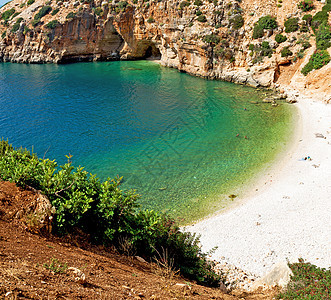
109, 275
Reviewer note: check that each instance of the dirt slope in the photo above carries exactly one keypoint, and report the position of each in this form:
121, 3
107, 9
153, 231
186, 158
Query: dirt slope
24, 257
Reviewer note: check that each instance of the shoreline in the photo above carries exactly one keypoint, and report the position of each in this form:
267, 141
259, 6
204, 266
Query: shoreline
288, 216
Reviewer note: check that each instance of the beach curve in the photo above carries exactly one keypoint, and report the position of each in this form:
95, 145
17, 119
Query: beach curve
287, 216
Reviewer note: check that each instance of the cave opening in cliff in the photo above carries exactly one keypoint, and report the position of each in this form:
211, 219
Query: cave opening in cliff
150, 51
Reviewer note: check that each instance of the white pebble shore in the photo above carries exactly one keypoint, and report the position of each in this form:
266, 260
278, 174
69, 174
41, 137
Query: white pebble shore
287, 215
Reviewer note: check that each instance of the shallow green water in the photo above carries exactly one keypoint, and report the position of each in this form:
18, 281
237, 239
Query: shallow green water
170, 135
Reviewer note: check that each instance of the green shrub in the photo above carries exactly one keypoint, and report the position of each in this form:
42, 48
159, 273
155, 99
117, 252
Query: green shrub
30, 2
306, 45
323, 37
98, 11
34, 23
184, 4
237, 22
3, 35
202, 19
279, 38
70, 15
198, 13
105, 212
286, 52
7, 14
17, 24
291, 25
319, 59
212, 39
251, 47
198, 2
265, 49
306, 5
304, 28
307, 282
318, 19
307, 18
42, 12
26, 30
123, 4
266, 22
52, 24
55, 11
150, 20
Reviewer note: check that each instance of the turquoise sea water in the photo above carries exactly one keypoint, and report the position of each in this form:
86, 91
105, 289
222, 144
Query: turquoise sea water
170, 135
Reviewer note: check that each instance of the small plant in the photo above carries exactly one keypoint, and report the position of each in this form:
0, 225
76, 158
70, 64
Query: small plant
30, 2
307, 282
306, 5
7, 14
202, 19
34, 23
323, 37
307, 18
319, 59
43, 12
266, 22
198, 13
52, 24
237, 22
198, 2
123, 4
212, 39
150, 20
98, 11
286, 52
3, 35
291, 25
17, 24
279, 38
55, 11
56, 266
70, 15
184, 4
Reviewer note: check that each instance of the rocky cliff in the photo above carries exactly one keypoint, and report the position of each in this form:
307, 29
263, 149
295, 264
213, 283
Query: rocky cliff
246, 41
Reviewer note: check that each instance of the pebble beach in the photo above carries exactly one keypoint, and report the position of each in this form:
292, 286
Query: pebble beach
284, 216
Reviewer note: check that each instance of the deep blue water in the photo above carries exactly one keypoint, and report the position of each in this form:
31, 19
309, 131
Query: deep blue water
172, 136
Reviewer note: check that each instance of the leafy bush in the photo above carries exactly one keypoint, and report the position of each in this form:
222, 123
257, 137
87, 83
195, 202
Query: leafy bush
198, 13
202, 19
291, 25
198, 2
55, 11
212, 39
266, 22
286, 52
7, 14
306, 5
184, 4
318, 19
42, 12
105, 212
30, 2
319, 59
280, 38
150, 20
323, 36
34, 23
52, 24
307, 282
237, 22
307, 18
98, 11
17, 24
123, 4
70, 15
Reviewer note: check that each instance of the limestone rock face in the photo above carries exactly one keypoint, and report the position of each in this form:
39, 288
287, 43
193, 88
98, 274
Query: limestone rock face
211, 40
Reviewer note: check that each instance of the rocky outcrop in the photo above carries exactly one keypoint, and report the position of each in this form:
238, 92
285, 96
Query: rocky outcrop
211, 39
